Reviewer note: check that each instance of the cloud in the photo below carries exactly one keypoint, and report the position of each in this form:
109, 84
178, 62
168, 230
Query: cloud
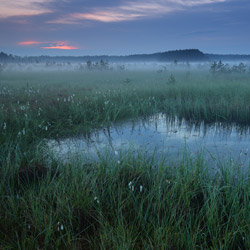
28, 43
60, 45
49, 45
132, 10
10, 8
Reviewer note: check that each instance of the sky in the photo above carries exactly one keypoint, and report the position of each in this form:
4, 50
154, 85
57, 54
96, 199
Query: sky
123, 27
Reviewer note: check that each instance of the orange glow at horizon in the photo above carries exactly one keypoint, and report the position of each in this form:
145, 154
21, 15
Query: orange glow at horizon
60, 47
52, 45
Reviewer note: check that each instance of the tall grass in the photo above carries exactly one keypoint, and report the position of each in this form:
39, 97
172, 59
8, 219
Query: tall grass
133, 204
130, 205
54, 104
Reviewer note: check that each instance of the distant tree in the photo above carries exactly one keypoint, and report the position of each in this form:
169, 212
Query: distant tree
104, 64
242, 68
213, 67
89, 64
220, 66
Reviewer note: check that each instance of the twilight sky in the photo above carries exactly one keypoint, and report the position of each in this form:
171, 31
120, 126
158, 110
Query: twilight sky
121, 27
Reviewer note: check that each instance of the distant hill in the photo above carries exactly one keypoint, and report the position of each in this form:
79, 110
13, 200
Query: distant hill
187, 55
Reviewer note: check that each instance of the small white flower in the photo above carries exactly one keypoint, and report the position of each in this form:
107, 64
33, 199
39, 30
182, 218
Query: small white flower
118, 162
23, 131
96, 200
141, 188
116, 152
4, 125
132, 188
46, 128
59, 226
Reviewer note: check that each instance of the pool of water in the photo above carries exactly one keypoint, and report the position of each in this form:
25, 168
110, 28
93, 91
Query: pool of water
162, 137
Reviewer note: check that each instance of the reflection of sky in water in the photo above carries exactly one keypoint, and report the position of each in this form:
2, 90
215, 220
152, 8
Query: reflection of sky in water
163, 137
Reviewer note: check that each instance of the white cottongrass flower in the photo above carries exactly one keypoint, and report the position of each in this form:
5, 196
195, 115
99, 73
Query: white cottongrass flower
141, 188
60, 226
96, 200
131, 187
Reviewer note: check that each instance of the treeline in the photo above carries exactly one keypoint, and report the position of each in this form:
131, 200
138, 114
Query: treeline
190, 55
214, 57
187, 55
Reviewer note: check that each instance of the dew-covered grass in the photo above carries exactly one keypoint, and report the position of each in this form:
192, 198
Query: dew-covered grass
130, 203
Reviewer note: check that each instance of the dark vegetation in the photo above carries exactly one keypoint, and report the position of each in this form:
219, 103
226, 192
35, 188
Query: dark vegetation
225, 68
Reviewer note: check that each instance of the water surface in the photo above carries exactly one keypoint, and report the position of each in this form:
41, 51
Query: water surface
162, 137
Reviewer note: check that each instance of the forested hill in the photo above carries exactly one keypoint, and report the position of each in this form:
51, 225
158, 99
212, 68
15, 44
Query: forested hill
187, 55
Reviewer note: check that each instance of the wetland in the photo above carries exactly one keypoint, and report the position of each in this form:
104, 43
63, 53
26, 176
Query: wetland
122, 158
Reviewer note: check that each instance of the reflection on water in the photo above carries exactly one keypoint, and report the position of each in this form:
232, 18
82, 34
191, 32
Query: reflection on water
161, 136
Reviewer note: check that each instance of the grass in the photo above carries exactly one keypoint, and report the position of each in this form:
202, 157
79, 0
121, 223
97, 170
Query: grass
133, 204
130, 205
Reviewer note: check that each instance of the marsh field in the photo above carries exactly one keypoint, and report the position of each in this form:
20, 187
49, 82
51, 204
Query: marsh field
125, 196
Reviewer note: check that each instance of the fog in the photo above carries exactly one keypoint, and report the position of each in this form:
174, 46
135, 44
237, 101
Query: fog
99, 66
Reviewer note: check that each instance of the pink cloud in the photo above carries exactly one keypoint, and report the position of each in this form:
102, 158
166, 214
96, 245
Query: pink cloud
107, 16
60, 45
51, 45
28, 43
